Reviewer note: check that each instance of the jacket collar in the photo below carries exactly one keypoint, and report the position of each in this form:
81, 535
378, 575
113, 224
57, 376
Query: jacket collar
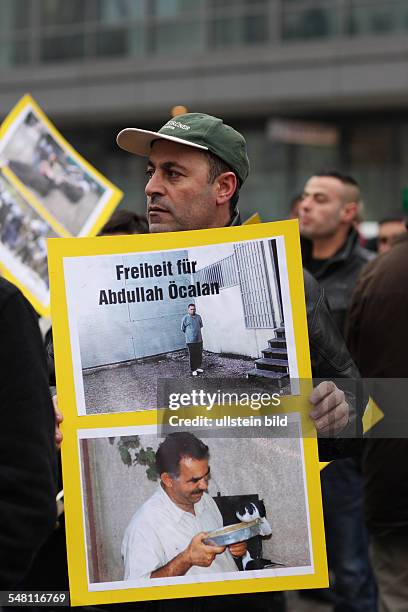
343, 254
235, 219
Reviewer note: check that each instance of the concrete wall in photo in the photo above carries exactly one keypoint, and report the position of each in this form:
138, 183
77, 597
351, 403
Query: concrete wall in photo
272, 468
116, 332
120, 332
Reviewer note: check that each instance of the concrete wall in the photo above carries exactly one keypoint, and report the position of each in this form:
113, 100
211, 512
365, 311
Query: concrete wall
112, 333
120, 332
271, 468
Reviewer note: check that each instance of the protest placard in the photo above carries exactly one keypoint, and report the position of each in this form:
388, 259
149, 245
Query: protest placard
128, 378
47, 189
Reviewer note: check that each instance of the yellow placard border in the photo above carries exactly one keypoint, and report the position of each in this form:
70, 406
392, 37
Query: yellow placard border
60, 249
116, 194
27, 102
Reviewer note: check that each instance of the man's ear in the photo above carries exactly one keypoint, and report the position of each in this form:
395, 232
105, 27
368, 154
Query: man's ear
226, 184
166, 479
349, 212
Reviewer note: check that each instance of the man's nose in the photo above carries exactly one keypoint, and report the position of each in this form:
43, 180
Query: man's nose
154, 185
203, 484
305, 203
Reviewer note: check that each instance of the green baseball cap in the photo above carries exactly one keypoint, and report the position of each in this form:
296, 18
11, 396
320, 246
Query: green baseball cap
193, 130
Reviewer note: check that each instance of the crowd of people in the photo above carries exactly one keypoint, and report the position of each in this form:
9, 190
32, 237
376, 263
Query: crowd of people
356, 306
24, 236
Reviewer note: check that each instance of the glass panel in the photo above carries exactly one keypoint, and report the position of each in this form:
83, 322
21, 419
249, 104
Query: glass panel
318, 22
14, 52
378, 17
113, 11
14, 15
232, 4
62, 12
120, 42
112, 42
268, 185
137, 38
373, 162
311, 159
188, 35
62, 48
171, 8
249, 29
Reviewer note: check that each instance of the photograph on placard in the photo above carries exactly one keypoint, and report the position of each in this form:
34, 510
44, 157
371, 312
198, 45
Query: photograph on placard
208, 312
146, 498
65, 187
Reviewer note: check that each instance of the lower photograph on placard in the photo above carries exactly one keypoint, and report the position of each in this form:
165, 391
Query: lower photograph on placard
191, 509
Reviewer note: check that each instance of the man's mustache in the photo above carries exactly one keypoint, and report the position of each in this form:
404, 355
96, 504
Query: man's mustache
156, 203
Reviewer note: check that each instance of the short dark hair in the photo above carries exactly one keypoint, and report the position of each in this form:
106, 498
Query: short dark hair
191, 305
347, 179
394, 216
174, 448
216, 167
125, 222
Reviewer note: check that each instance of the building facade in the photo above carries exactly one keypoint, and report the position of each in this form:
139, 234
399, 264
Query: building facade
311, 83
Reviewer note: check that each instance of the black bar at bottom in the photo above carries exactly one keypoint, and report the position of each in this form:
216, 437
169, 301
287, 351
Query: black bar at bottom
34, 598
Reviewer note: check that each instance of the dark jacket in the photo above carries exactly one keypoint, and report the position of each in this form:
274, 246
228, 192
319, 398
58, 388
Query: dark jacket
339, 274
27, 447
378, 338
330, 360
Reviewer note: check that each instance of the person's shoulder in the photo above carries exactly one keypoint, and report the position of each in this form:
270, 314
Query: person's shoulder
209, 500
312, 288
8, 291
147, 513
364, 255
12, 299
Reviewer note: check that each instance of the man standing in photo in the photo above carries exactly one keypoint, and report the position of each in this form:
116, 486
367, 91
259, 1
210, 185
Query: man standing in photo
191, 325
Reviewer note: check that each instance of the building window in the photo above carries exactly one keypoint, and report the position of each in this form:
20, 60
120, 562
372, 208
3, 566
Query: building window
304, 20
62, 48
377, 17
62, 12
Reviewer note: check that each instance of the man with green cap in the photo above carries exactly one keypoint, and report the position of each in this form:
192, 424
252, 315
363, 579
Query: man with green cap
196, 167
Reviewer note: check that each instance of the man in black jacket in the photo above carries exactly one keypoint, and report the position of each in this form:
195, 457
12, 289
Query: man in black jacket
332, 253
330, 244
27, 447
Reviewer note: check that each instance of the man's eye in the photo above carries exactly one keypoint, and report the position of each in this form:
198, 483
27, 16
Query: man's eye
149, 173
173, 174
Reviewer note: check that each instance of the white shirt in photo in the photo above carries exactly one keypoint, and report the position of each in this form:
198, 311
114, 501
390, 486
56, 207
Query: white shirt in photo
160, 530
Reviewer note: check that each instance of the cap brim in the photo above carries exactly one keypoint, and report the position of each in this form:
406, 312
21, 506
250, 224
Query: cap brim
139, 142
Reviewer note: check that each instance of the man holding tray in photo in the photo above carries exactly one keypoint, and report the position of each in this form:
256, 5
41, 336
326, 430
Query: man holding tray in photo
196, 167
165, 536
